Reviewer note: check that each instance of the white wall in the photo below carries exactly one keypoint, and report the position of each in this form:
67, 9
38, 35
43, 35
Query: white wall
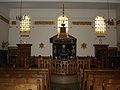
118, 26
4, 27
42, 33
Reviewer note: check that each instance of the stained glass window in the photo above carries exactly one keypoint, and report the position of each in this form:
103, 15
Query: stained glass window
100, 25
25, 24
62, 20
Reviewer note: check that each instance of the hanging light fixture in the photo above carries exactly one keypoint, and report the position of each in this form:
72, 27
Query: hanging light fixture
62, 21
109, 20
20, 17
101, 24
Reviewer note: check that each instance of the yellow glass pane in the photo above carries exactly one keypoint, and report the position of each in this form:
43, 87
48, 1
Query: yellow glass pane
61, 20
25, 24
100, 26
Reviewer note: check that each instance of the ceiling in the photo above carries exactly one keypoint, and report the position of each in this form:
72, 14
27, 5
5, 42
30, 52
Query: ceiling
55, 4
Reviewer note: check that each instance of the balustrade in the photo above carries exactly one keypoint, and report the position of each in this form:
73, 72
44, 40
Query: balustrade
61, 67
84, 62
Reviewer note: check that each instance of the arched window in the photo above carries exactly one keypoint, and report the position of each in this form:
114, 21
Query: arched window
25, 24
62, 20
100, 25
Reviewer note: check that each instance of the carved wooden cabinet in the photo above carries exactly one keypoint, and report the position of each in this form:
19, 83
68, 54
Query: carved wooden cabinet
64, 47
101, 54
64, 51
12, 56
112, 51
24, 51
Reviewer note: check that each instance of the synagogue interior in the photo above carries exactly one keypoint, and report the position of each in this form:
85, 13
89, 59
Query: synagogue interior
59, 45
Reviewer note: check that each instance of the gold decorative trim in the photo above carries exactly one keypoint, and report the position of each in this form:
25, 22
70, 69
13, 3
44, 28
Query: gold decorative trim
24, 35
23, 31
100, 36
81, 23
112, 48
4, 19
118, 22
13, 22
43, 22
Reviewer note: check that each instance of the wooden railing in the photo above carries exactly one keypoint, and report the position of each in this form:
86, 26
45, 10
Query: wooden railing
43, 61
63, 67
60, 67
38, 62
84, 62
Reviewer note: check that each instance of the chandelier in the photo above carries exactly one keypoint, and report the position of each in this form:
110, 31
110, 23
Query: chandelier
20, 17
109, 20
62, 21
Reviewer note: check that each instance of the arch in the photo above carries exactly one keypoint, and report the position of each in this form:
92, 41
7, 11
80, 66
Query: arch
62, 19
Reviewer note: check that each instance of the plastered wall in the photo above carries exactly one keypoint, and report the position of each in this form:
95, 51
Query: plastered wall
42, 33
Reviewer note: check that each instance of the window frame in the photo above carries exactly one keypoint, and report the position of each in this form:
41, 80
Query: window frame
62, 19
100, 24
25, 24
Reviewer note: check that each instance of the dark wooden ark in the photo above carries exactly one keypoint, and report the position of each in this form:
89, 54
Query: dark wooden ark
64, 45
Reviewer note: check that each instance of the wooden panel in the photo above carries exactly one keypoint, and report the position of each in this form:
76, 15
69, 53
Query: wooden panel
3, 57
100, 36
4, 19
24, 35
24, 52
68, 67
101, 54
81, 23
12, 56
43, 22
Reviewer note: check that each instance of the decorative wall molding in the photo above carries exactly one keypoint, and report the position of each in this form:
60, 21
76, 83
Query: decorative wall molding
4, 19
118, 22
81, 23
24, 35
24, 31
13, 22
100, 36
43, 22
